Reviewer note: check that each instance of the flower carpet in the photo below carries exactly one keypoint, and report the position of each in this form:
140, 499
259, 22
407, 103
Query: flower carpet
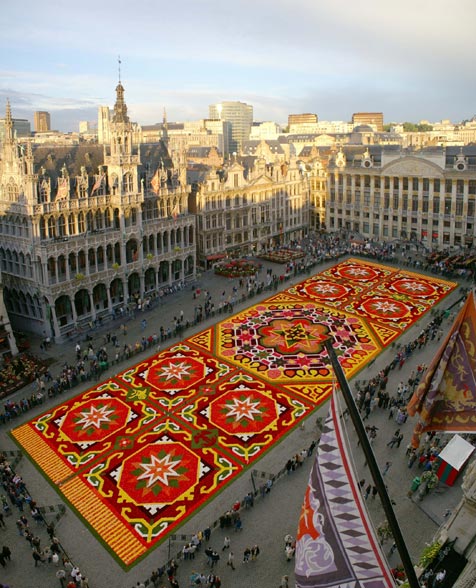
138, 454
282, 255
237, 268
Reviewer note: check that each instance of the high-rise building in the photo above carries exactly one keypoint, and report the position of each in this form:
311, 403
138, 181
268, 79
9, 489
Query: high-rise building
373, 119
240, 117
42, 121
104, 120
21, 128
299, 119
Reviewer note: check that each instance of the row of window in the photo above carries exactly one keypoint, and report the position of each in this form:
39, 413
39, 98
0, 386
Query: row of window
415, 204
449, 186
376, 230
457, 224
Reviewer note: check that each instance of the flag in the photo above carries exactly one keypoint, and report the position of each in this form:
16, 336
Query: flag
336, 544
155, 182
63, 189
446, 397
98, 184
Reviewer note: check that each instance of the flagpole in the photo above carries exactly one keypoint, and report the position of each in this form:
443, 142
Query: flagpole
373, 466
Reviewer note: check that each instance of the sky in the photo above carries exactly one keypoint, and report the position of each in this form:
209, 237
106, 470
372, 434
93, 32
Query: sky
411, 59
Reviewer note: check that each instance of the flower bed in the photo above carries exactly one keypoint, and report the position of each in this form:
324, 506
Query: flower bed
237, 268
282, 255
18, 372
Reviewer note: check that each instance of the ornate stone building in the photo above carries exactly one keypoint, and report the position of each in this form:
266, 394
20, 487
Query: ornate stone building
386, 193
84, 228
251, 206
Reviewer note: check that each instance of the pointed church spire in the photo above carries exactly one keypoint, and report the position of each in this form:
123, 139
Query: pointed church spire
120, 108
8, 124
165, 128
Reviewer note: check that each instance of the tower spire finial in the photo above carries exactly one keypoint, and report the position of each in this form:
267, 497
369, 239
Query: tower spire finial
8, 123
119, 66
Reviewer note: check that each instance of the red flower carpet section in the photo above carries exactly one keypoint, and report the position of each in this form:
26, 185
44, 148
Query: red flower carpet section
138, 454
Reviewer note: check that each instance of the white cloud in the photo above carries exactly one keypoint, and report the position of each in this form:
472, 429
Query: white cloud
285, 53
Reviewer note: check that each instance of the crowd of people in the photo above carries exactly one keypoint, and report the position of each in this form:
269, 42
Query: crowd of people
31, 525
371, 396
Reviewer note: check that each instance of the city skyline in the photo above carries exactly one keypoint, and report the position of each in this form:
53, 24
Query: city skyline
410, 61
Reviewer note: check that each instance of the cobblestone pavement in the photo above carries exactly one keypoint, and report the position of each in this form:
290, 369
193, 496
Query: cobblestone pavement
268, 521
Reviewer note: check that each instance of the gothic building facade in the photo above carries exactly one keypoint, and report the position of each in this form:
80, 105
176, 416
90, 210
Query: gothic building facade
84, 228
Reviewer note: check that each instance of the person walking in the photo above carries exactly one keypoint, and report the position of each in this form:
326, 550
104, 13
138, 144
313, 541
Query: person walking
246, 555
394, 438
226, 543
36, 557
61, 575
368, 490
6, 553
386, 467
231, 560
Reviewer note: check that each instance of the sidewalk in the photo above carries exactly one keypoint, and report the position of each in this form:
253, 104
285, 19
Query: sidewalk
270, 518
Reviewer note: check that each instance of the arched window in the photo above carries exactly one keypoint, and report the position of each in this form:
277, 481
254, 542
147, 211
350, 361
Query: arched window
61, 226
52, 227
71, 225
98, 219
12, 190
127, 183
81, 223
44, 192
89, 221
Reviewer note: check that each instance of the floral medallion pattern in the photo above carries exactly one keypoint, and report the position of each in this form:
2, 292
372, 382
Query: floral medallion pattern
136, 455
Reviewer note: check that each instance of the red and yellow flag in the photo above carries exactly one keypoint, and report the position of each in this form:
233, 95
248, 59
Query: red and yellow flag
446, 397
155, 182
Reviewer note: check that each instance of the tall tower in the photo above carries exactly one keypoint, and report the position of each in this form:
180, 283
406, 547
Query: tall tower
104, 121
16, 165
120, 156
240, 117
42, 121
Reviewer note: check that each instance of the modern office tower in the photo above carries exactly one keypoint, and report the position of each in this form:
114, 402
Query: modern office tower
42, 121
21, 128
373, 119
240, 117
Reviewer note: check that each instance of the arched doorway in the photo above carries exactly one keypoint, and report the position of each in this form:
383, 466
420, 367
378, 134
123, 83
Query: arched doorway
134, 285
149, 280
189, 266
163, 275
63, 310
116, 290
100, 297
82, 302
